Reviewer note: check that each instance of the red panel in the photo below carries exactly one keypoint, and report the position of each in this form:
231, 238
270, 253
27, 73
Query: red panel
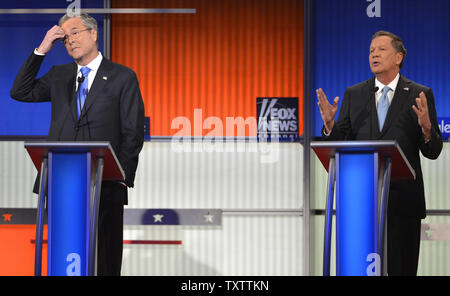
218, 60
17, 250
152, 242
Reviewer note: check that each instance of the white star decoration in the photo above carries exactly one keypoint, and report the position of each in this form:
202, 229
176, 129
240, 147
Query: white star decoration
158, 218
209, 218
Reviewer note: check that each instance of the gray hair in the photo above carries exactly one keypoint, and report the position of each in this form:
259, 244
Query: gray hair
396, 43
88, 21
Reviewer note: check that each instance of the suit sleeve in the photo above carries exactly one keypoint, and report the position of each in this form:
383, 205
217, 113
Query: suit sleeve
432, 148
26, 87
132, 128
342, 128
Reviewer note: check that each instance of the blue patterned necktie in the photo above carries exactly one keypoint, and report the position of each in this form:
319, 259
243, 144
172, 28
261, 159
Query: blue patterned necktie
83, 90
383, 106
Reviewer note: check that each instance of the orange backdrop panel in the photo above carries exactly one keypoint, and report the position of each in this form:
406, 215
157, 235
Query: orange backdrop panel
218, 60
17, 250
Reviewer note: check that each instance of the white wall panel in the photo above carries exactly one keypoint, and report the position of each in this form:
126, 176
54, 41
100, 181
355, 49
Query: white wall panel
436, 178
231, 175
17, 174
243, 245
434, 255
236, 176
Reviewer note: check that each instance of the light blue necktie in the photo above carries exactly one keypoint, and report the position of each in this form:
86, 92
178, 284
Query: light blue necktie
383, 106
83, 90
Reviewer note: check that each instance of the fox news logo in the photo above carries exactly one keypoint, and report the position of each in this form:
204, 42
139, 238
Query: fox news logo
277, 117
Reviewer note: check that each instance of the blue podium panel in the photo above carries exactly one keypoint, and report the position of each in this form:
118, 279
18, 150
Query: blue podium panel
361, 204
356, 212
68, 213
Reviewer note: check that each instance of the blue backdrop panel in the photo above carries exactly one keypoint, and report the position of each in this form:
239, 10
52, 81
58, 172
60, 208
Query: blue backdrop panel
68, 213
20, 34
341, 36
356, 212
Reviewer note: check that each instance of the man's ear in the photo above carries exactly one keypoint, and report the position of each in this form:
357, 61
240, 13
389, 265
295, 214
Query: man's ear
94, 34
399, 58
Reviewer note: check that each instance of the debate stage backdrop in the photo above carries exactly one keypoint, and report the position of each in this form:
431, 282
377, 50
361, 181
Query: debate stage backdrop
230, 52
218, 60
342, 32
20, 35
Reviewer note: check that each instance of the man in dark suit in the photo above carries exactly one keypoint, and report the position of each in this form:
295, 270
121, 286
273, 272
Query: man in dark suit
391, 107
92, 99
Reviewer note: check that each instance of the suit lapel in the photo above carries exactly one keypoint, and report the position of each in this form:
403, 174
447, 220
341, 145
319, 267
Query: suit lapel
374, 129
72, 91
400, 97
100, 80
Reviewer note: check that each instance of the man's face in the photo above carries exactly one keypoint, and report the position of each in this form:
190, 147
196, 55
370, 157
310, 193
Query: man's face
383, 58
82, 43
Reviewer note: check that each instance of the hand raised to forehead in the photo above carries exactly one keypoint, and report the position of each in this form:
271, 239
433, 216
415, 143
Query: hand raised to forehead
55, 33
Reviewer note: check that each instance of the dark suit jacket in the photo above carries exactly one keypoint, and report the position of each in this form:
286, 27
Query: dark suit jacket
113, 110
358, 120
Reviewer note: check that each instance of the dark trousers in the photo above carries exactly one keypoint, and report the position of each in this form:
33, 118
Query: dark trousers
110, 229
403, 245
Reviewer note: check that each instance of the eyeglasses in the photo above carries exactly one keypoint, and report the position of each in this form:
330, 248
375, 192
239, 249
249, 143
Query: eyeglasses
73, 35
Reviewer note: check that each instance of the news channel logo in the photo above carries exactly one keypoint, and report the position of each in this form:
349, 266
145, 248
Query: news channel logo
277, 119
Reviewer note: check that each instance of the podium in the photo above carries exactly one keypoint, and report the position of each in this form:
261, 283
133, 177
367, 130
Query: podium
362, 171
71, 174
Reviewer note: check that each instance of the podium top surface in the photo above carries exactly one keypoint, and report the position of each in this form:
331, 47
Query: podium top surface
112, 169
401, 168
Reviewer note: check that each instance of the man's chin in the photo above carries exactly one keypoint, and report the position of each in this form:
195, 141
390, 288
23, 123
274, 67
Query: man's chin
376, 71
75, 54
76, 57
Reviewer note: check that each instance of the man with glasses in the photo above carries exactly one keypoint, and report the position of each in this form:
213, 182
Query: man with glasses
93, 99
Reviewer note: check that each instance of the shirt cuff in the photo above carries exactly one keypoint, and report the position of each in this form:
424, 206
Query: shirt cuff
36, 52
325, 133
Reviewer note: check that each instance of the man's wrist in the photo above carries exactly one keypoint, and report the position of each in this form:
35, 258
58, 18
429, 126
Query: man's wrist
328, 127
36, 52
426, 133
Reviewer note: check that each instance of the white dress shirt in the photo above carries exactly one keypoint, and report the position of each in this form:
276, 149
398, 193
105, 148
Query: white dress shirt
392, 85
93, 65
